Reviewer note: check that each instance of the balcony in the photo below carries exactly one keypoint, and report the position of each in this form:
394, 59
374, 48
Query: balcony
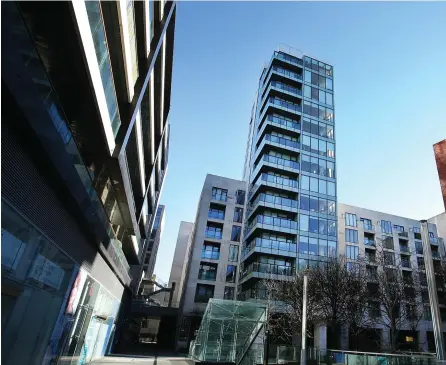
369, 242
405, 264
213, 234
264, 220
210, 255
267, 244
216, 215
436, 255
287, 73
289, 59
369, 227
274, 202
296, 108
282, 141
403, 235
433, 240
207, 275
258, 267
281, 162
404, 250
286, 88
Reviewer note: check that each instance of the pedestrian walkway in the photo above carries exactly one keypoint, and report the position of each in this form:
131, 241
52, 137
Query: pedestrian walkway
141, 360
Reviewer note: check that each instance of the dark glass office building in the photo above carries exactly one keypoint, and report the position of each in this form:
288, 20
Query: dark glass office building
85, 101
290, 168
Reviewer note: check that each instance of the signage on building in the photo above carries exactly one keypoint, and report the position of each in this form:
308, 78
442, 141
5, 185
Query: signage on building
46, 272
12, 250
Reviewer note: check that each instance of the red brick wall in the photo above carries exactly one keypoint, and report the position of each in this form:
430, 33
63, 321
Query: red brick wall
440, 158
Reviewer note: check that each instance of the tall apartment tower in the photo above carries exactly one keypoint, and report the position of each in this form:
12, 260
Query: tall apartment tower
290, 171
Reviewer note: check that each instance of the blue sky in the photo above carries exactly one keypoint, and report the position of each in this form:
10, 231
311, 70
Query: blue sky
389, 64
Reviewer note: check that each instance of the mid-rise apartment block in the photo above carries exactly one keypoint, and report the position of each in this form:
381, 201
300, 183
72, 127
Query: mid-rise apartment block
213, 265
290, 170
85, 133
367, 234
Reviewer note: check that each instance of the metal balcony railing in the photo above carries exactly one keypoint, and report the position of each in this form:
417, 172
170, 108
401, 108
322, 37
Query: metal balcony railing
283, 141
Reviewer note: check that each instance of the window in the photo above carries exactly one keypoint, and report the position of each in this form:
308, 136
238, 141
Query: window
322, 187
314, 204
332, 248
351, 235
331, 207
236, 233
303, 244
329, 84
203, 293
213, 231
238, 215
314, 184
306, 163
207, 271
330, 150
219, 194
323, 167
210, 251
305, 182
398, 228
323, 248
304, 202
352, 252
323, 207
231, 272
216, 212
314, 78
233, 253
303, 222
374, 309
312, 246
314, 225
417, 233
328, 98
323, 226
229, 293
332, 228
419, 247
389, 258
386, 227
240, 197
350, 219
331, 189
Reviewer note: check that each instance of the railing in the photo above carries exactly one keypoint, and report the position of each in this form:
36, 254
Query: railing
207, 275
285, 122
281, 161
273, 221
279, 180
369, 242
213, 234
288, 73
268, 198
119, 254
288, 58
282, 141
210, 255
285, 104
433, 240
270, 244
369, 227
284, 87
403, 234
405, 263
269, 269
436, 255
404, 249
216, 215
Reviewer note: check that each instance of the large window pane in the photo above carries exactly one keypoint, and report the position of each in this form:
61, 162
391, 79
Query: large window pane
323, 226
322, 186
322, 168
305, 202
303, 244
303, 222
314, 225
323, 208
331, 190
305, 182
307, 91
312, 246
329, 84
314, 204
329, 98
314, 184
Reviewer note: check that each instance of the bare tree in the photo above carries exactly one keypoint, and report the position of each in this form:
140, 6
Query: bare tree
397, 292
338, 291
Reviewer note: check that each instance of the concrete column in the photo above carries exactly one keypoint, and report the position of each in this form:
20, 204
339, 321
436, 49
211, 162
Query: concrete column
422, 340
320, 337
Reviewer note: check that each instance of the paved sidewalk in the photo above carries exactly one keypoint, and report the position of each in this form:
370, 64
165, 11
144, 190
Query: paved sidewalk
141, 360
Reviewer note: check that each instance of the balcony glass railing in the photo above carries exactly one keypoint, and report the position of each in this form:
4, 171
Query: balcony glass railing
288, 58
369, 242
403, 234
285, 122
405, 263
433, 240
268, 198
287, 73
282, 141
279, 180
285, 104
210, 255
369, 227
273, 221
269, 269
284, 87
207, 275
404, 249
436, 255
270, 244
281, 161
213, 234
216, 214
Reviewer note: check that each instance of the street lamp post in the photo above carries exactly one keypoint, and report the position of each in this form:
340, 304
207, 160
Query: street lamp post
432, 290
303, 359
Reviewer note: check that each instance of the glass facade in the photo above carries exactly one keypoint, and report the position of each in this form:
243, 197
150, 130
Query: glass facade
50, 307
291, 202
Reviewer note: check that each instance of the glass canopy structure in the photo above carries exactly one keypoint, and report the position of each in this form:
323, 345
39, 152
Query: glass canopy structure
228, 331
